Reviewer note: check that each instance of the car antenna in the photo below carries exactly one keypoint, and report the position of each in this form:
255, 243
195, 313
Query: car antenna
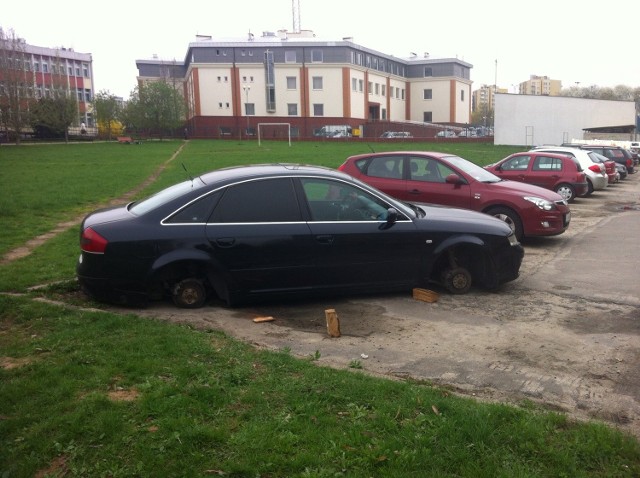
191, 177
371, 148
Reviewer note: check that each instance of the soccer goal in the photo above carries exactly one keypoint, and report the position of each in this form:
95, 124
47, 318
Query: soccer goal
260, 130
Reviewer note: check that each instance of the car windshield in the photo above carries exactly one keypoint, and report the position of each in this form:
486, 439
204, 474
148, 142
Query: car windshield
145, 205
473, 170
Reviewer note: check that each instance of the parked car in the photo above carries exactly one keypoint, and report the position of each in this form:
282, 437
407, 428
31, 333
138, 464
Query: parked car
557, 172
441, 178
609, 167
467, 133
615, 153
396, 134
252, 231
622, 171
595, 171
446, 133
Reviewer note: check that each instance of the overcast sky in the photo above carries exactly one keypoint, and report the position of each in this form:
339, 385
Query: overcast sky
505, 40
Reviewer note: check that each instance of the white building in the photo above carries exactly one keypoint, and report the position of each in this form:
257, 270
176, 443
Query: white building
527, 120
231, 85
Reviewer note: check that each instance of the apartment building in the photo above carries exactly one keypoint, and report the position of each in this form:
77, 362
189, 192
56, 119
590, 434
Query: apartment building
231, 85
44, 69
484, 98
541, 86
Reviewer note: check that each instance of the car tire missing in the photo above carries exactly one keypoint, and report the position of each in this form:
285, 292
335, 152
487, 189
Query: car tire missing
456, 280
189, 294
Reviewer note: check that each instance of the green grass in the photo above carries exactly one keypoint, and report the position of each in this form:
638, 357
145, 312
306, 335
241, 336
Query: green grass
201, 403
117, 395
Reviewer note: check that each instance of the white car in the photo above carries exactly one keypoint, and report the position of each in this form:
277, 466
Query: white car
594, 169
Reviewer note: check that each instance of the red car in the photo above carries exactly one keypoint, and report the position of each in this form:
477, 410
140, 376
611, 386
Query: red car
442, 178
560, 173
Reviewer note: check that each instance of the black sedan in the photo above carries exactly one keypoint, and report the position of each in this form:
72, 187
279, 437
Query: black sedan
247, 232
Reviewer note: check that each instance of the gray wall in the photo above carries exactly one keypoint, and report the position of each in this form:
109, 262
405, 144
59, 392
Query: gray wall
527, 120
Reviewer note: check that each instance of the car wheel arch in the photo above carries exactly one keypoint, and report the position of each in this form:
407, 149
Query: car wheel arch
467, 252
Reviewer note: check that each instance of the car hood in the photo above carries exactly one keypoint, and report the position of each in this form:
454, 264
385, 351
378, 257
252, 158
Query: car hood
524, 189
463, 220
110, 214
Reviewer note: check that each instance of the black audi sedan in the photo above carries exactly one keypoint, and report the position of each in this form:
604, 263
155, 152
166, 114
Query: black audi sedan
243, 233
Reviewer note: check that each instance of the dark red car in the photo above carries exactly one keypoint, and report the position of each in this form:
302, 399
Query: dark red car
441, 178
557, 172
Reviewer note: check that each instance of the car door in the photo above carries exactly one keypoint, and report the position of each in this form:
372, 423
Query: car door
515, 168
386, 172
259, 238
545, 171
354, 246
427, 183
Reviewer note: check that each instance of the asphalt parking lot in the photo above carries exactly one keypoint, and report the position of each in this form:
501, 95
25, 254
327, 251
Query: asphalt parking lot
564, 335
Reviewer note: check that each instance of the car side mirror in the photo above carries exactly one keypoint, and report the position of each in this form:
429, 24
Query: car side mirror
453, 179
392, 215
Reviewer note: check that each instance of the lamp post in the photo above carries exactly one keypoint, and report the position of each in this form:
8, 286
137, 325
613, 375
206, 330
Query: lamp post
246, 88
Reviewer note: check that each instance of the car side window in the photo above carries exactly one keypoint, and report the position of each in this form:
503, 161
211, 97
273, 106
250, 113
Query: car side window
386, 167
265, 200
337, 201
518, 163
546, 163
428, 170
195, 213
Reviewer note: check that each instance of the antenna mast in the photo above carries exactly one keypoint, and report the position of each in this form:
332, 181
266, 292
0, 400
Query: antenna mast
295, 7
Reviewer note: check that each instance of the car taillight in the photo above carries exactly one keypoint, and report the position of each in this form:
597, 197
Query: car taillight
595, 168
629, 163
93, 242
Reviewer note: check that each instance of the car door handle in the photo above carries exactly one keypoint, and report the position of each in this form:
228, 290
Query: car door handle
225, 241
325, 239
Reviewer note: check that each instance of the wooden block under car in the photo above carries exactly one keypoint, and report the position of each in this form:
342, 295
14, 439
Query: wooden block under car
425, 295
257, 320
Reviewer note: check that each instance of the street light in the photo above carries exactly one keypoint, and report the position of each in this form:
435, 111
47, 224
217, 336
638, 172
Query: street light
246, 88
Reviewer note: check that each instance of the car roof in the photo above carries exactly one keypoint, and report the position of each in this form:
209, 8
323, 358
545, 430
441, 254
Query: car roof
435, 154
234, 173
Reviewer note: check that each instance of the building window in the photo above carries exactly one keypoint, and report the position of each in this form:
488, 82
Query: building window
371, 87
360, 86
316, 56
428, 71
377, 87
427, 94
85, 71
87, 95
318, 109
403, 94
45, 68
354, 84
391, 91
383, 113
292, 109
77, 71
249, 109
427, 116
292, 83
383, 90
317, 82
36, 67
227, 105
70, 71
461, 95
226, 79
290, 56
220, 105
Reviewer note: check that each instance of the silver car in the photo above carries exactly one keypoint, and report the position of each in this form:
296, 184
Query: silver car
593, 169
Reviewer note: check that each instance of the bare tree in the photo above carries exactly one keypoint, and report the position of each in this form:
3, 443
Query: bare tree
15, 84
